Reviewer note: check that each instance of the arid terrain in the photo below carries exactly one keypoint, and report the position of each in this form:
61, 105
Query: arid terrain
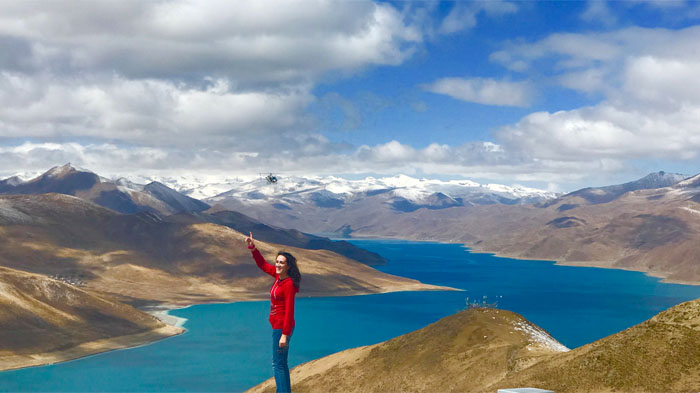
650, 225
74, 247
482, 350
45, 321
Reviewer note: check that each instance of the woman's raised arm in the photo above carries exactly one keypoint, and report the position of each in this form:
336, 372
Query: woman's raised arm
259, 260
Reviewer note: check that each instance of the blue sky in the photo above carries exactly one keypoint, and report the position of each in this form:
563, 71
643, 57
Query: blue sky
556, 95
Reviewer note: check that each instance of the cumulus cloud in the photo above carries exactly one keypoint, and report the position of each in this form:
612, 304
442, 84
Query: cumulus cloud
164, 86
650, 106
484, 91
196, 82
247, 44
146, 112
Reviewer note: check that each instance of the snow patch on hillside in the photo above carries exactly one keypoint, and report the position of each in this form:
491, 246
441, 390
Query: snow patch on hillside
539, 336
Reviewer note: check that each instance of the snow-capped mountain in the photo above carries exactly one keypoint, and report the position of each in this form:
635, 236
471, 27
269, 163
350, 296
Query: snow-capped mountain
197, 186
326, 204
401, 187
120, 195
415, 190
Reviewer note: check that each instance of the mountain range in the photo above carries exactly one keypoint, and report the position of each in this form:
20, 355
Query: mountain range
649, 225
124, 196
331, 205
120, 195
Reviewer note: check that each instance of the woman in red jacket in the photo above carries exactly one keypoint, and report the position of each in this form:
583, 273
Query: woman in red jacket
286, 285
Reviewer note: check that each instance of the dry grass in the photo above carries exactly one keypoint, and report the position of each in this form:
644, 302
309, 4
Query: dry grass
482, 351
464, 352
45, 321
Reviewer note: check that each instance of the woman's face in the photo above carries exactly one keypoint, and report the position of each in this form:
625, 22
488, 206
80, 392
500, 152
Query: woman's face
281, 265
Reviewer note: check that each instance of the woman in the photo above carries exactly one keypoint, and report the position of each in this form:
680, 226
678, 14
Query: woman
286, 285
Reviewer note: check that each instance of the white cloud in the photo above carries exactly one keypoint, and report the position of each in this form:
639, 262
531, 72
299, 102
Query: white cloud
651, 105
147, 112
485, 91
597, 11
463, 15
246, 42
589, 81
179, 74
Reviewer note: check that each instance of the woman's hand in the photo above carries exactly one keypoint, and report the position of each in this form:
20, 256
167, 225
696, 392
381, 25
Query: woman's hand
250, 242
283, 341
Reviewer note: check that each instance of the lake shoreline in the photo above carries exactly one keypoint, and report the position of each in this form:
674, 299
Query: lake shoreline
173, 327
663, 276
90, 348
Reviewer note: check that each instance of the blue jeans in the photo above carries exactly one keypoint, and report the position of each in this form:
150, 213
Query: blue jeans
279, 362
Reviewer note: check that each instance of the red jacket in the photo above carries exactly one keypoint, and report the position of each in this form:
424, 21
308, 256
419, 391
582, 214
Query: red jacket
281, 296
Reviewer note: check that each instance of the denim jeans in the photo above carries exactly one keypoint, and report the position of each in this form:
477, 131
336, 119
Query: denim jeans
279, 362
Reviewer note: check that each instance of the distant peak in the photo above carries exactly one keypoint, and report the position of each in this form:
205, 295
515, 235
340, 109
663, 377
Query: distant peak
59, 171
690, 182
663, 179
14, 180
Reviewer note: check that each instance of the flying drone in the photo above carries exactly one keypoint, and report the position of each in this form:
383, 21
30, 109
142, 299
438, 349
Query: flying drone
271, 179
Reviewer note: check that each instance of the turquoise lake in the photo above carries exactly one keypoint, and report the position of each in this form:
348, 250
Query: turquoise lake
226, 347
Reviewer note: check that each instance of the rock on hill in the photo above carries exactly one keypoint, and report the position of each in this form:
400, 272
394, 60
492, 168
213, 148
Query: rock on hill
44, 321
483, 350
460, 353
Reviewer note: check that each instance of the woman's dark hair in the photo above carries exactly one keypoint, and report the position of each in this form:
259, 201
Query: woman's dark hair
293, 272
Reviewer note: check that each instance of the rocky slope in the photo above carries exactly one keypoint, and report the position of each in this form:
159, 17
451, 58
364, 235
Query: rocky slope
483, 350
44, 320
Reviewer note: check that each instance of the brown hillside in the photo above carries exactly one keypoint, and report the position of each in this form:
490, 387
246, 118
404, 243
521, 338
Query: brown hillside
659, 355
653, 230
463, 352
144, 258
44, 320
483, 350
